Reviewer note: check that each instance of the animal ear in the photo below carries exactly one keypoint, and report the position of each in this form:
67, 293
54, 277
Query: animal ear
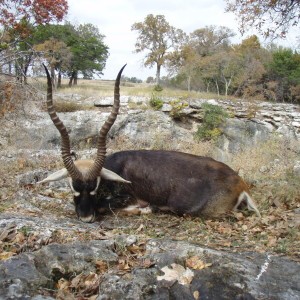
59, 175
110, 175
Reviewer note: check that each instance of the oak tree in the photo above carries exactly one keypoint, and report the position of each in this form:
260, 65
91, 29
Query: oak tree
58, 56
18, 19
89, 52
17, 14
273, 18
158, 38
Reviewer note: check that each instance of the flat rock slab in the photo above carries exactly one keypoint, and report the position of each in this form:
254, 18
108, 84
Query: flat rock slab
224, 275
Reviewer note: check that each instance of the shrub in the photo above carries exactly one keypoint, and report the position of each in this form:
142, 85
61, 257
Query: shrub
67, 106
158, 88
156, 102
177, 107
214, 116
14, 95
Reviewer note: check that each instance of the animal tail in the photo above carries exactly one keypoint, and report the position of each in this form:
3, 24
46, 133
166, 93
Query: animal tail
245, 197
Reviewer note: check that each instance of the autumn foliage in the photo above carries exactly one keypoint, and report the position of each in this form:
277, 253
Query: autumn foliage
14, 13
270, 17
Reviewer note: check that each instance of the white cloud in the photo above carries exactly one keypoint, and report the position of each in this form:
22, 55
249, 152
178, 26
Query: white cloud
114, 19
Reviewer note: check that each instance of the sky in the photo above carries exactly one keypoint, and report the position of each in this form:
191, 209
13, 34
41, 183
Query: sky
114, 19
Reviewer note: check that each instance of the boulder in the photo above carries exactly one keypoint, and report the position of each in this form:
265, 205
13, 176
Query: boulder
222, 275
239, 134
147, 128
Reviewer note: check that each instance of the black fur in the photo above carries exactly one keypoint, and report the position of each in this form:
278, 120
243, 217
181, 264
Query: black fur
185, 183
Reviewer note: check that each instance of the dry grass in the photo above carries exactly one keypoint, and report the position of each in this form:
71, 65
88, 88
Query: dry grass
69, 106
267, 167
276, 192
272, 160
162, 142
104, 88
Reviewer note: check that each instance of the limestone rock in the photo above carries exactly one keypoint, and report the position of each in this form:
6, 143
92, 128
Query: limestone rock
228, 275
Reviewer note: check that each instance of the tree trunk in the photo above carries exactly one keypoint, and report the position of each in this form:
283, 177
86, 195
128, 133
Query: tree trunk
10, 68
207, 87
189, 83
71, 81
75, 78
26, 66
158, 74
18, 72
217, 86
227, 84
72, 78
59, 80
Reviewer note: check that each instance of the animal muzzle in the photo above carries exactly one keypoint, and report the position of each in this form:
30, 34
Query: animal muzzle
87, 219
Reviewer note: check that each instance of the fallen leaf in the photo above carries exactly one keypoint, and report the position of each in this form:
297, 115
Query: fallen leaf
76, 281
244, 227
64, 295
101, 266
124, 265
141, 227
196, 263
239, 215
6, 255
63, 284
177, 272
196, 295
135, 249
272, 241
147, 263
86, 285
7, 231
91, 279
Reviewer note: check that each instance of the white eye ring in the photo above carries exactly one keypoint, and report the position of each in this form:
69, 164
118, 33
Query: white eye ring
95, 190
72, 188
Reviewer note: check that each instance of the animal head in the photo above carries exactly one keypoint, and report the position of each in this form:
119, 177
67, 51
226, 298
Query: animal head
84, 175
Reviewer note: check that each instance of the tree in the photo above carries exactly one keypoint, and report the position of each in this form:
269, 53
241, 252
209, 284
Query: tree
19, 20
58, 56
273, 18
190, 60
210, 39
89, 52
17, 14
78, 49
158, 38
252, 66
285, 69
150, 79
185, 62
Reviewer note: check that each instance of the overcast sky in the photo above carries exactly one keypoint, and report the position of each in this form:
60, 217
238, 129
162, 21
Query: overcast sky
114, 19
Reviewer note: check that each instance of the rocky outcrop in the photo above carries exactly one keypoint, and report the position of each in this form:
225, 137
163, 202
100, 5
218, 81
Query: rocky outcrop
238, 134
249, 123
59, 250
170, 275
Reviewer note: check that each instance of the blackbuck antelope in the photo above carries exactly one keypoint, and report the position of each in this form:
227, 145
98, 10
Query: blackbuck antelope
138, 181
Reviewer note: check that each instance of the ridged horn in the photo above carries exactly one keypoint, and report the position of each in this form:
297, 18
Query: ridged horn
95, 170
74, 173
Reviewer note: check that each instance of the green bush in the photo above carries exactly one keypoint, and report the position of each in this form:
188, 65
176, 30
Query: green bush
177, 107
156, 102
158, 88
214, 116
